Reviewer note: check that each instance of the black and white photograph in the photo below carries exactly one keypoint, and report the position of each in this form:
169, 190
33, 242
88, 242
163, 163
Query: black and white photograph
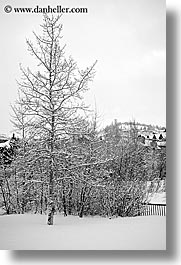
83, 125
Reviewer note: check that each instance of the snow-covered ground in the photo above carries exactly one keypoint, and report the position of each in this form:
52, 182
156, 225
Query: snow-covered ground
158, 198
89, 233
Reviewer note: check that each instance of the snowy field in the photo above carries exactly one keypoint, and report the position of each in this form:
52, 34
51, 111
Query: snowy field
89, 233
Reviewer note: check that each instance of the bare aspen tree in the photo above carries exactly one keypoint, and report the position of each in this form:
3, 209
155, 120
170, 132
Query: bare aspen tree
53, 97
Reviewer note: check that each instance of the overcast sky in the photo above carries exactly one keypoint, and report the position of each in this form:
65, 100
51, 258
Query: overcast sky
127, 37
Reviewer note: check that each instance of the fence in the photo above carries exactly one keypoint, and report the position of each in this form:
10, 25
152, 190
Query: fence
154, 209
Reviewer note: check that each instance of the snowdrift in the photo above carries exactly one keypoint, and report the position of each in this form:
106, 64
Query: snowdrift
30, 232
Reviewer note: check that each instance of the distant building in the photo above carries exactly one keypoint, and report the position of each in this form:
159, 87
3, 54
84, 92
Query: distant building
3, 138
156, 140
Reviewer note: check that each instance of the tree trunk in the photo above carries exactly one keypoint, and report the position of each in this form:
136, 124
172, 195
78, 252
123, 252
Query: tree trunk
63, 199
23, 203
82, 201
51, 204
17, 194
70, 197
84, 197
4, 198
51, 210
41, 200
8, 191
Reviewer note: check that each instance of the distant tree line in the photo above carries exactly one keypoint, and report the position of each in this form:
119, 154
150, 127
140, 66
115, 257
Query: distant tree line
94, 175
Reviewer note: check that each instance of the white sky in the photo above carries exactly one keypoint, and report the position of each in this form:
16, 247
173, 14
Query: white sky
127, 37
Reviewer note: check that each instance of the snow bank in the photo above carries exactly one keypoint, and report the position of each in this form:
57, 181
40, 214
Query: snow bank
23, 232
158, 198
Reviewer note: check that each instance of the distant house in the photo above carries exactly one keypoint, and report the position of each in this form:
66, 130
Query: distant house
156, 140
5, 144
3, 138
